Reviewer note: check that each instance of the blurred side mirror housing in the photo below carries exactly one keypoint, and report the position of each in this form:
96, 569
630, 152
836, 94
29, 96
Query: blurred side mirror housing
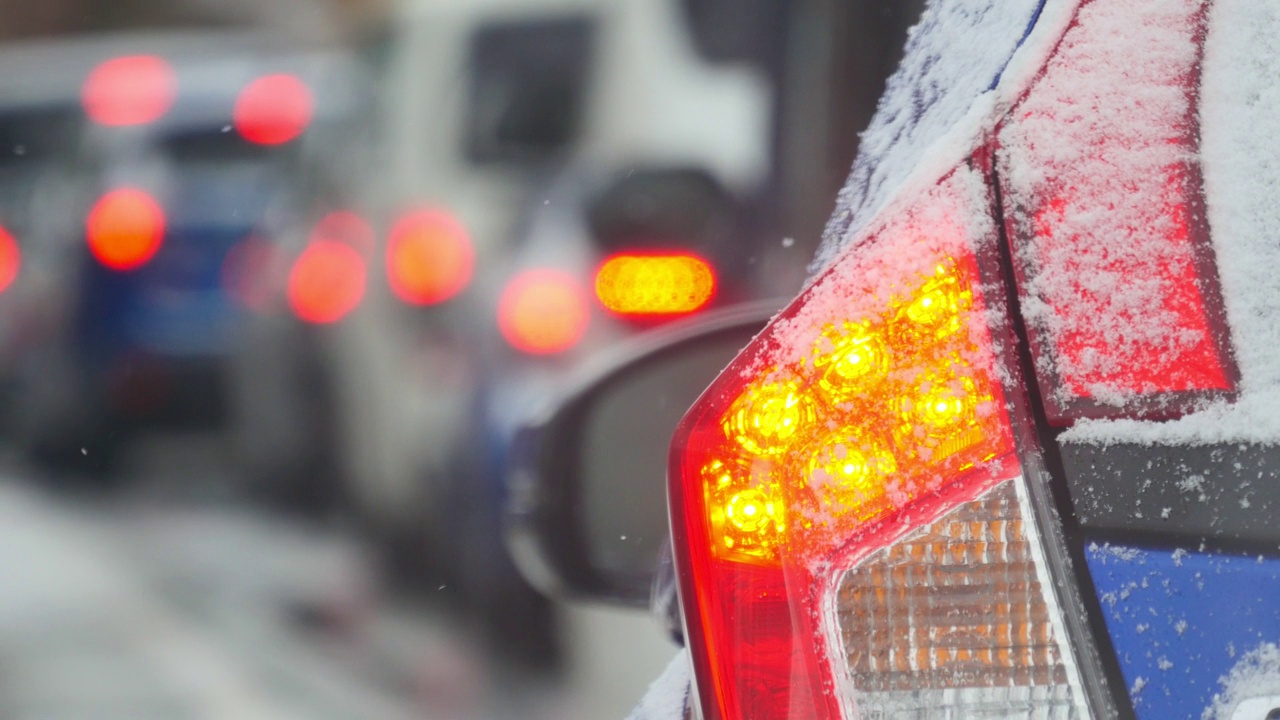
587, 517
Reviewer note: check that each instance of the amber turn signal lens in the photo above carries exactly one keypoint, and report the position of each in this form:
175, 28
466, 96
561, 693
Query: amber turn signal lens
655, 284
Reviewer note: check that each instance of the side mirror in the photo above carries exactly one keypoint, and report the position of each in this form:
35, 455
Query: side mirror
588, 512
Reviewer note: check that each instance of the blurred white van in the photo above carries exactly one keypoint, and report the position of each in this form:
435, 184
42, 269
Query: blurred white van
485, 106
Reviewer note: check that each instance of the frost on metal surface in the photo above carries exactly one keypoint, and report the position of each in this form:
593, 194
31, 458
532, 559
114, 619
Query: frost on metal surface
1240, 159
951, 59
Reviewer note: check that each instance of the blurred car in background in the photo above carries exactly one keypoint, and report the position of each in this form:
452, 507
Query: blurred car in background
190, 166
484, 106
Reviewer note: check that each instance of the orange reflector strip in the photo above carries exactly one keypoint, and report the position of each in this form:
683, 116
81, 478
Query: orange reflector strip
327, 282
125, 228
133, 90
273, 110
429, 257
542, 312
10, 259
655, 284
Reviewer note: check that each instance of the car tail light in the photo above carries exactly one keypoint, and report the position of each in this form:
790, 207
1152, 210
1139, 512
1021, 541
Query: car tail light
125, 228
328, 278
327, 281
273, 110
542, 312
1111, 242
133, 90
847, 504
10, 260
655, 284
429, 257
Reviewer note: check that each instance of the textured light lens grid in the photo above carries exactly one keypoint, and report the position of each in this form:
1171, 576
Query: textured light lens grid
956, 604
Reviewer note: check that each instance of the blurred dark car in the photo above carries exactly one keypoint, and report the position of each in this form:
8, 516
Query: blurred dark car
201, 159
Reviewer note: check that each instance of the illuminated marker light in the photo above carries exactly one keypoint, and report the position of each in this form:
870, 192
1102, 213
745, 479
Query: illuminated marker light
655, 284
133, 90
10, 259
940, 305
429, 257
125, 229
850, 471
767, 415
854, 362
749, 514
273, 110
327, 281
542, 312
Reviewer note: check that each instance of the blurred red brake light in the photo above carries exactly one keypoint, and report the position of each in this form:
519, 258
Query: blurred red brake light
327, 281
133, 90
10, 259
273, 109
429, 257
542, 312
125, 228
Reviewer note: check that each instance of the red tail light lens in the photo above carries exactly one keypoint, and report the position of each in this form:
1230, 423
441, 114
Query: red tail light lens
273, 110
327, 281
133, 90
125, 229
1110, 237
429, 257
543, 312
641, 285
10, 260
870, 408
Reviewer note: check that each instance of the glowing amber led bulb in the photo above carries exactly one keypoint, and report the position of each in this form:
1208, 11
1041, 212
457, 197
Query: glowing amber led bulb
765, 417
753, 511
946, 403
938, 305
852, 360
851, 471
748, 508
